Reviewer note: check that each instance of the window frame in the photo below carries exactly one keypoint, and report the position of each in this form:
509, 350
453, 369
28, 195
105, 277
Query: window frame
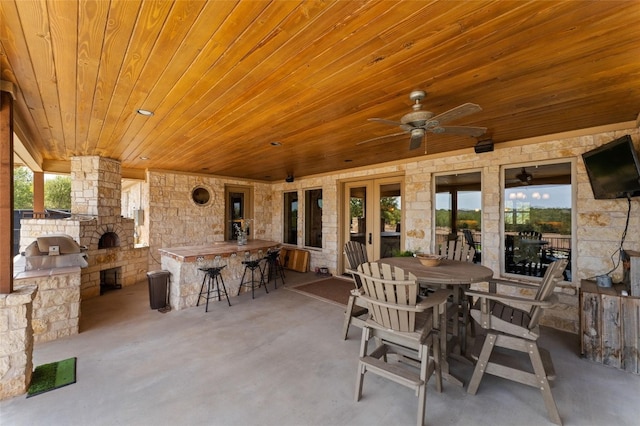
310, 205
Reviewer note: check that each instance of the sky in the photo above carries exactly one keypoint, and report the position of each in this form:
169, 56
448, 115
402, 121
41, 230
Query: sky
541, 196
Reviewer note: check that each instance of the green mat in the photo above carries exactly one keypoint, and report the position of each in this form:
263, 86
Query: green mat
52, 376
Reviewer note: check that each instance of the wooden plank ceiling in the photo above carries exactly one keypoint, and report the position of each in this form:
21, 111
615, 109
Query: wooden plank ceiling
226, 79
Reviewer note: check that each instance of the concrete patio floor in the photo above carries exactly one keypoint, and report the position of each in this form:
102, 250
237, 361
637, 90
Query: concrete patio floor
279, 360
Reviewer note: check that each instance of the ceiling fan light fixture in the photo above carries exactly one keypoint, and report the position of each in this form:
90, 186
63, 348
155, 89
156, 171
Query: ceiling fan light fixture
524, 177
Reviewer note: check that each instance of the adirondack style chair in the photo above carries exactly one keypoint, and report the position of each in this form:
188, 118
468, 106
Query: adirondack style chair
518, 330
461, 251
468, 237
456, 250
356, 255
403, 324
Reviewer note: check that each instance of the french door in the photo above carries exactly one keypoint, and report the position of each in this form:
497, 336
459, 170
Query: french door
373, 215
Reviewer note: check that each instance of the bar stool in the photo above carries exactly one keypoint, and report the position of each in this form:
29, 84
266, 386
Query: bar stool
257, 276
276, 270
213, 279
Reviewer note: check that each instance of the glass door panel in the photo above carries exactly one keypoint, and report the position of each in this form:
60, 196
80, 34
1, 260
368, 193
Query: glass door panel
373, 216
390, 203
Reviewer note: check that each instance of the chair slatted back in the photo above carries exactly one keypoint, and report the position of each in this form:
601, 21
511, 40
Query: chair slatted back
455, 250
356, 255
530, 235
391, 297
552, 277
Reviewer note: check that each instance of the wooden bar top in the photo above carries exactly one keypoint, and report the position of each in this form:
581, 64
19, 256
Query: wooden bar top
221, 248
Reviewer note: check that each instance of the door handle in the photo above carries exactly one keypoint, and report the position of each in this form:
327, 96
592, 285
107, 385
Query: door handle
370, 238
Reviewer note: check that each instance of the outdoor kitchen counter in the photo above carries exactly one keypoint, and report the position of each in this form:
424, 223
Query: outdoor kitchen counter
222, 248
184, 264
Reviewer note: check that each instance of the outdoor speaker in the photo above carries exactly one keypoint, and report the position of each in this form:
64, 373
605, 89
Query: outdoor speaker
484, 146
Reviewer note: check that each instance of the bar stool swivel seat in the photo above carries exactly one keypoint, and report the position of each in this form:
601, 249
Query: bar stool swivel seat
214, 281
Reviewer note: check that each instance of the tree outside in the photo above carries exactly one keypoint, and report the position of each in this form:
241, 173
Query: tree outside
22, 188
57, 193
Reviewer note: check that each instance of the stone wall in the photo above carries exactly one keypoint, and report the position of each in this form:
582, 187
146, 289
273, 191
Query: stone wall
597, 229
56, 307
175, 220
16, 341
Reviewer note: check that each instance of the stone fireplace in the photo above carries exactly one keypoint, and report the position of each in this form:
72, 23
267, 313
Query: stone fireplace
97, 224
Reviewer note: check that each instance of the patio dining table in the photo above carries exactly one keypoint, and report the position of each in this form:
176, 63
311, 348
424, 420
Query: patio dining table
457, 276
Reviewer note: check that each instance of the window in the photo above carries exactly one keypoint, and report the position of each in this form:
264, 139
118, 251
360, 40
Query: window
290, 228
537, 218
458, 206
238, 211
313, 218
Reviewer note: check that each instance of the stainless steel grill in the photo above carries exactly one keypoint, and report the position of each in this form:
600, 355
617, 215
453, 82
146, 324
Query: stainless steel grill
54, 251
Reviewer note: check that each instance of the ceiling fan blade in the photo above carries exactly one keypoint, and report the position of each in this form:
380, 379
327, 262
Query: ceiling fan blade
461, 130
380, 137
384, 121
457, 112
417, 135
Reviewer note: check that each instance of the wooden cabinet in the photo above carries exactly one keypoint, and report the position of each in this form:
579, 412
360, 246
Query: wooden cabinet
610, 326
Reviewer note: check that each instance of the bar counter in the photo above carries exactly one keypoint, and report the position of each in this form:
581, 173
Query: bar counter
186, 278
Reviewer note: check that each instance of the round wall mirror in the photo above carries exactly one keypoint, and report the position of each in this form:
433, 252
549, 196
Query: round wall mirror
200, 195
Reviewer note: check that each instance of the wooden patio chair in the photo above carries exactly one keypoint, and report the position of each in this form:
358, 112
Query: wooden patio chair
517, 330
456, 250
356, 255
403, 324
468, 237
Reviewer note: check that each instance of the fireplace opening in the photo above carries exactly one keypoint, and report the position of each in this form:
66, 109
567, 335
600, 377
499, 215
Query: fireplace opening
109, 240
110, 279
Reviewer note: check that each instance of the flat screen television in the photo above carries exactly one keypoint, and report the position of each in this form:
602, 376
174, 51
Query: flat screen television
613, 169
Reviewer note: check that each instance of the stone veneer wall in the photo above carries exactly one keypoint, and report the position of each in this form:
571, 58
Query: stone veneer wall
597, 231
56, 307
175, 220
16, 341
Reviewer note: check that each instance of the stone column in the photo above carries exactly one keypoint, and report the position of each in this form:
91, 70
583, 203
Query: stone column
95, 186
16, 341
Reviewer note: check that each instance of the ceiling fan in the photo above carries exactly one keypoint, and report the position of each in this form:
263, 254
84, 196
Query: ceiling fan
418, 122
522, 178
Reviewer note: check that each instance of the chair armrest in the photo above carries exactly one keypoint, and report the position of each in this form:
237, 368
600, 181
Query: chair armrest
411, 308
357, 292
436, 298
514, 299
514, 283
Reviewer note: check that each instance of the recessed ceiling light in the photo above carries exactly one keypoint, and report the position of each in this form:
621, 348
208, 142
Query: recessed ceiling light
144, 112
144, 158
276, 143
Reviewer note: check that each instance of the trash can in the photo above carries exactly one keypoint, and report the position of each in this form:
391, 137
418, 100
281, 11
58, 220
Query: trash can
158, 289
